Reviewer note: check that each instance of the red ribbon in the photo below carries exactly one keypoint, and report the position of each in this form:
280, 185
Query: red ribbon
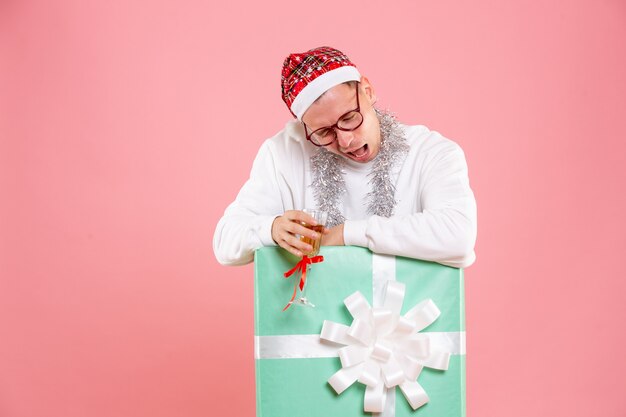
301, 265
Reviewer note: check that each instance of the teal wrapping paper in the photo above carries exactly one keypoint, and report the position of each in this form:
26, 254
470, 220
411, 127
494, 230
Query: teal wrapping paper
293, 380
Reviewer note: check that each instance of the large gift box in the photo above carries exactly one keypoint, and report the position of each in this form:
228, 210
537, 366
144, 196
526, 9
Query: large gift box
304, 356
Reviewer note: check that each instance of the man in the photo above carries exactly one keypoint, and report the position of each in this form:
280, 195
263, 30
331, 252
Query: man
395, 189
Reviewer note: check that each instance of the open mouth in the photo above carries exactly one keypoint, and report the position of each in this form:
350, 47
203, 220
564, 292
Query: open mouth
359, 153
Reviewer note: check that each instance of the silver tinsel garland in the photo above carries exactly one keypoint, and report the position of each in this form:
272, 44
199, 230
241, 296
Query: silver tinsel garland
328, 183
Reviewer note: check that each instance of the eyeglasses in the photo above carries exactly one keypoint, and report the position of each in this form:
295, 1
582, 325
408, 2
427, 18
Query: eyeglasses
350, 121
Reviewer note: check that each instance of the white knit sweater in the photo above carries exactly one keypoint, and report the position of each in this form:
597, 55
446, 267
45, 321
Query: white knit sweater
434, 219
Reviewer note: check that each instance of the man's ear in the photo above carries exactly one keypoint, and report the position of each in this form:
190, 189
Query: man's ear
368, 89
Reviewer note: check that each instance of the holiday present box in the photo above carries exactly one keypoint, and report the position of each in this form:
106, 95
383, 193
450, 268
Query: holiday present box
294, 364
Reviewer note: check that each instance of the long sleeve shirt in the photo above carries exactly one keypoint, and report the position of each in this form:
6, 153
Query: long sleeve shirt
434, 218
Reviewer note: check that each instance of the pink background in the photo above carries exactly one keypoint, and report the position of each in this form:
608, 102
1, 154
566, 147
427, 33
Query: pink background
127, 127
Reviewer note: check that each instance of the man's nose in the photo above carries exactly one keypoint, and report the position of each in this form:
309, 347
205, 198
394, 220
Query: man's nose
344, 139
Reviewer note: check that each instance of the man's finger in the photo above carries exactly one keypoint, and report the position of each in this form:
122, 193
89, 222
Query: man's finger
300, 216
296, 251
298, 229
293, 250
298, 244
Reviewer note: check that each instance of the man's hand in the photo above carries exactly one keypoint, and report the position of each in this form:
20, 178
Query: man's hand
286, 227
333, 236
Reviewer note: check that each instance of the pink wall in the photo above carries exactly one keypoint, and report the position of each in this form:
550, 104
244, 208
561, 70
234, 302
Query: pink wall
127, 127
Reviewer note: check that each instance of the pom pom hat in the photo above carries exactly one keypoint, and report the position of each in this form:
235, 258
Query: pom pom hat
306, 76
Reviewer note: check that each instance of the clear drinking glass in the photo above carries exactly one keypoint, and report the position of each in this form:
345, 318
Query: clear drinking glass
320, 217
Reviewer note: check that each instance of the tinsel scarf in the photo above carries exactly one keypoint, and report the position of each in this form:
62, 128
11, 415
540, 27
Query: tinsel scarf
329, 185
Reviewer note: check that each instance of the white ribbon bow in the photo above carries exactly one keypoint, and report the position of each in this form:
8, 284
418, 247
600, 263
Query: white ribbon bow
384, 349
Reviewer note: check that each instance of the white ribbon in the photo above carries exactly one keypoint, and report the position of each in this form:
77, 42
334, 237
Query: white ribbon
300, 346
383, 349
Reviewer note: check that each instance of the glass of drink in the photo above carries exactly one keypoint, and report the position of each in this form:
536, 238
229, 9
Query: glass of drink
320, 217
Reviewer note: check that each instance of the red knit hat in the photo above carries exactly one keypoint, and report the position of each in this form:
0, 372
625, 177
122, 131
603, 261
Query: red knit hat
308, 75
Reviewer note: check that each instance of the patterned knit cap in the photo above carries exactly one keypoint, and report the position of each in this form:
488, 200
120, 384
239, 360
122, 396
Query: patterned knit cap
308, 75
